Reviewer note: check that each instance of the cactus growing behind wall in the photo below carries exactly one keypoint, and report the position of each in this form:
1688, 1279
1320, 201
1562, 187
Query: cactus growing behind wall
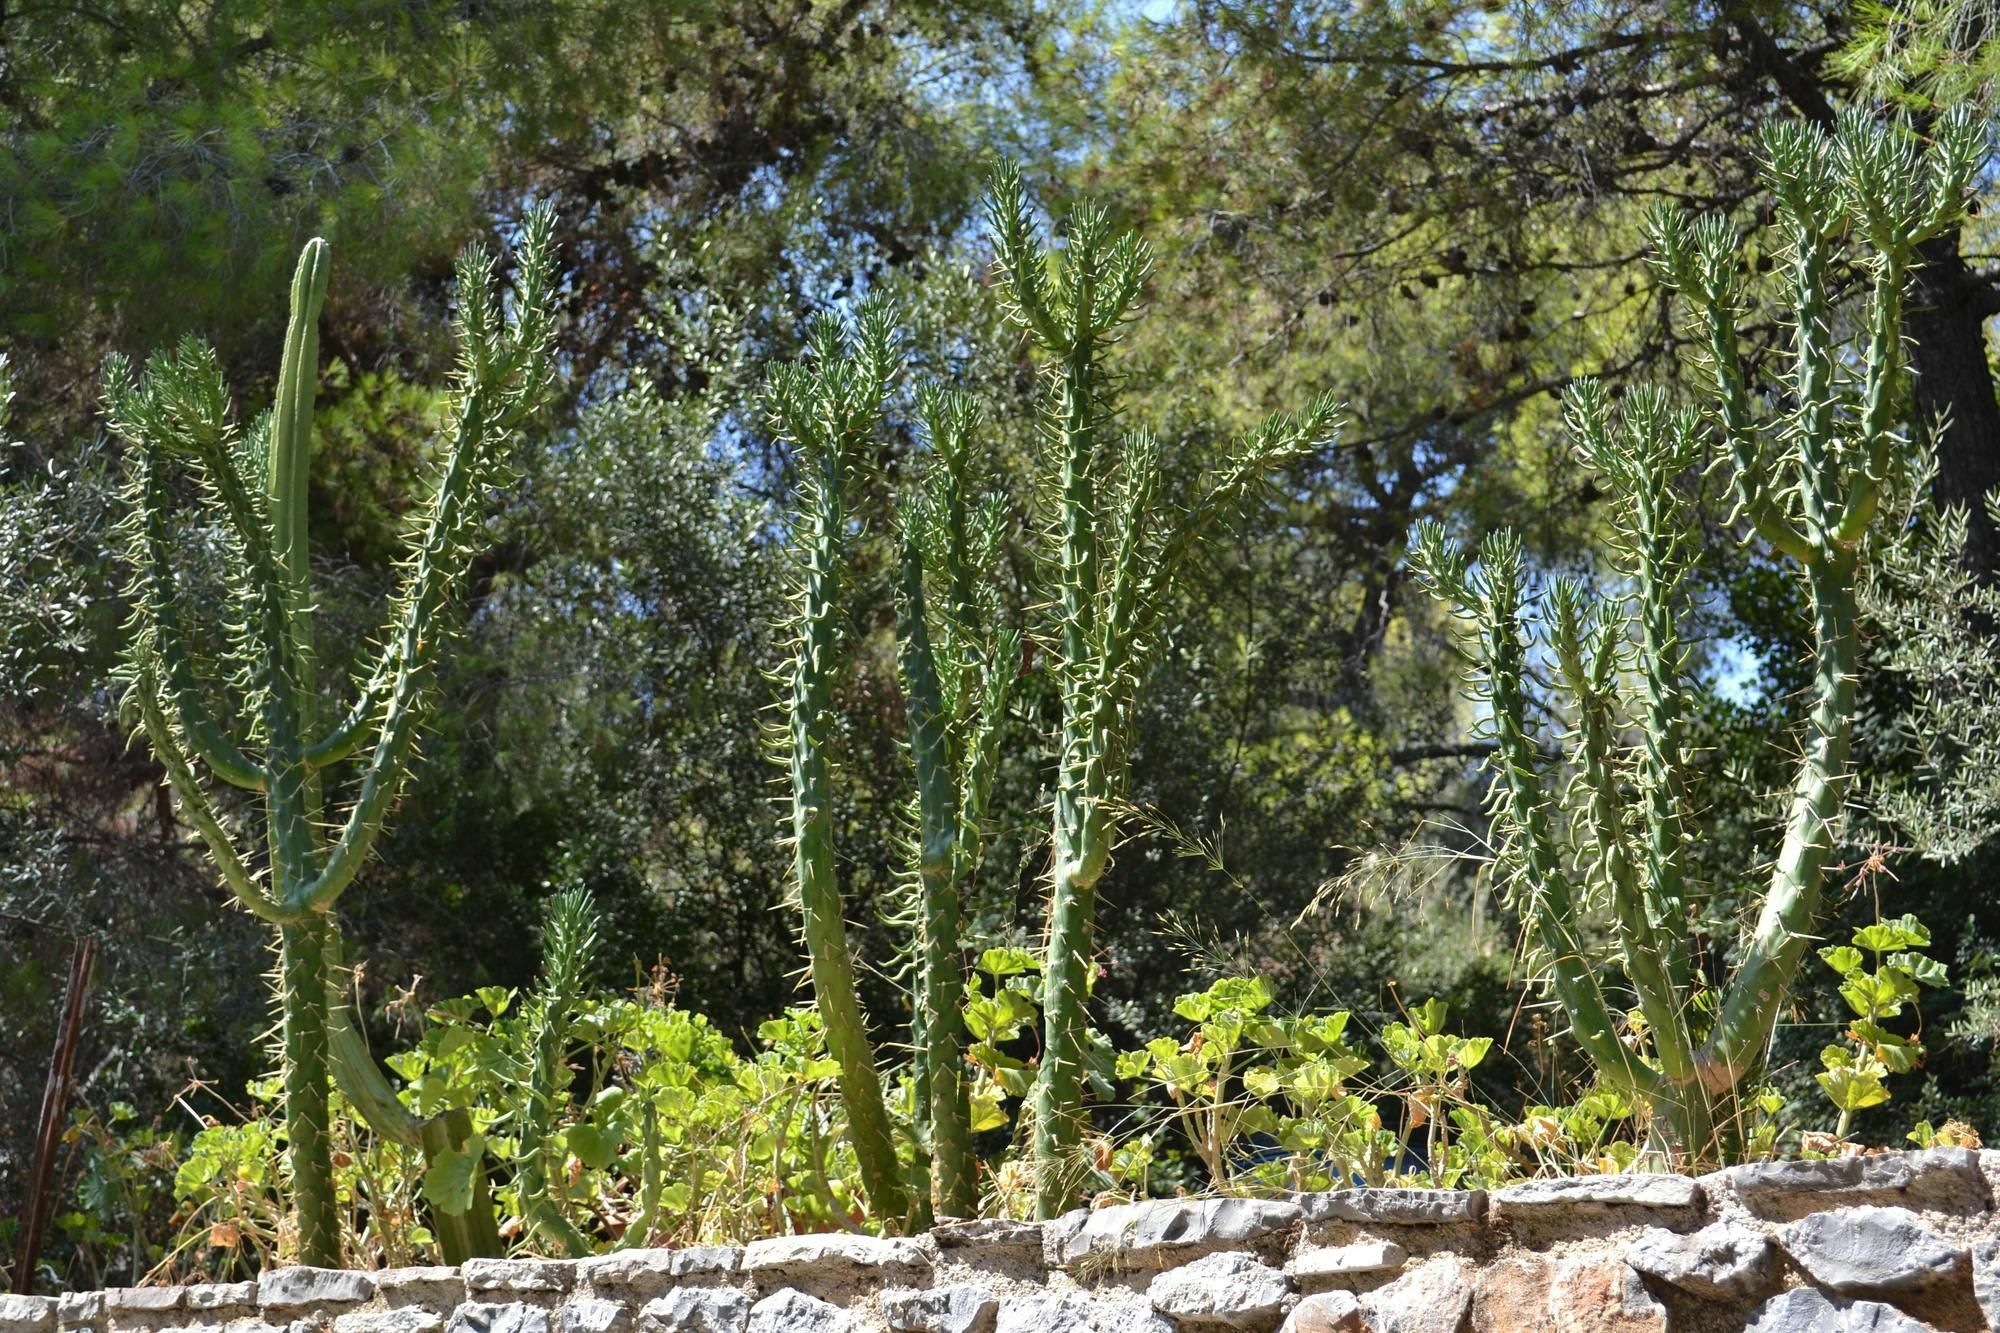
1808, 480
958, 669
826, 407
1117, 541
271, 741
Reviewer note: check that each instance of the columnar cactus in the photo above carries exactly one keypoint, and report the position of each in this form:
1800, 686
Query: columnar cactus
958, 673
826, 408
272, 741
1116, 545
1808, 479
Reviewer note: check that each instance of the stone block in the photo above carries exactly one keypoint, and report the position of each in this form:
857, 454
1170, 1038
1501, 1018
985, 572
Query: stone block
75, 1308
1986, 1280
588, 1314
696, 1310
150, 1300
961, 1307
498, 1317
790, 1311
404, 1319
1327, 1312
650, 1272
1153, 1232
1512, 1294
435, 1285
1934, 1175
1727, 1261
301, 1289
989, 1231
1807, 1311
1629, 1190
1867, 1250
1226, 1290
518, 1275
834, 1255
1591, 1295
1044, 1314
1331, 1263
1434, 1297
1394, 1207
27, 1314
221, 1296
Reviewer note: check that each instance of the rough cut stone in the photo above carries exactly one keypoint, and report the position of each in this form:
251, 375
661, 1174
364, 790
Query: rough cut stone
1433, 1298
1394, 1207
995, 1231
1512, 1294
79, 1307
791, 1311
502, 1317
145, 1300
961, 1307
1142, 1230
302, 1288
1723, 1262
1986, 1280
696, 1310
834, 1254
1230, 1289
1940, 1174
1328, 1312
587, 1314
27, 1314
650, 1272
1339, 1261
1044, 1314
1807, 1311
518, 1274
408, 1319
221, 1296
1636, 1190
1860, 1251
1603, 1296
434, 1285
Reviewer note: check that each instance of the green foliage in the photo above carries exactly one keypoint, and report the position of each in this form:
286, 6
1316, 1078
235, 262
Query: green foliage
1882, 971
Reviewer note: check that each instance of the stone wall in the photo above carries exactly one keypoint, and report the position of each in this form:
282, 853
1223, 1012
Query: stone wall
1892, 1243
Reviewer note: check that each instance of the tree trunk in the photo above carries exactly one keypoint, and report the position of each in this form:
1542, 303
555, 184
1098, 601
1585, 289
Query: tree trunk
1946, 325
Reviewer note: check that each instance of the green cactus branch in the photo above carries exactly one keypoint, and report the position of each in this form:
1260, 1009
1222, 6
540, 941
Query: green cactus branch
1807, 482
255, 483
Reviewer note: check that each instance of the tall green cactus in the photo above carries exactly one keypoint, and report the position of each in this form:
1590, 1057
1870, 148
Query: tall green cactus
1114, 549
1808, 480
272, 740
958, 671
569, 940
826, 407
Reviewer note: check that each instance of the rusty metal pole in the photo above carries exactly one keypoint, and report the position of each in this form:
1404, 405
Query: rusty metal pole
55, 1098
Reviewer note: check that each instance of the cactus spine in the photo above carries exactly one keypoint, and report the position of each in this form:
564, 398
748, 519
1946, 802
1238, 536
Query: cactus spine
957, 675
272, 743
1115, 548
1807, 482
569, 939
826, 407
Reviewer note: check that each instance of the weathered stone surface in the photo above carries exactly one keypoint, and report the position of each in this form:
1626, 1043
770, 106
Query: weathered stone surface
1141, 1231
1861, 1251
961, 1307
587, 1314
791, 1311
1986, 1280
1722, 1262
1940, 1174
650, 1272
407, 1319
498, 1317
146, 1300
1328, 1312
79, 1307
1512, 1294
1331, 1262
1807, 1311
436, 1285
27, 1314
1432, 1298
1044, 1314
1630, 1190
994, 1231
518, 1274
221, 1296
696, 1310
834, 1255
1228, 1289
1394, 1207
1602, 1296
307, 1288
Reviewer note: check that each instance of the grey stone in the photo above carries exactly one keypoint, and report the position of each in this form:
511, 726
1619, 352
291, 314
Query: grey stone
587, 1314
1338, 1261
146, 1300
1867, 1249
1722, 1262
1933, 1174
436, 1285
1110, 1312
1433, 1298
304, 1288
834, 1254
1626, 1190
994, 1231
406, 1319
1394, 1207
961, 1307
518, 1274
1229, 1289
1807, 1311
789, 1311
501, 1317
27, 1314
79, 1307
650, 1272
696, 1310
1155, 1228
1044, 1314
1058, 1232
1328, 1312
1986, 1280
221, 1296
